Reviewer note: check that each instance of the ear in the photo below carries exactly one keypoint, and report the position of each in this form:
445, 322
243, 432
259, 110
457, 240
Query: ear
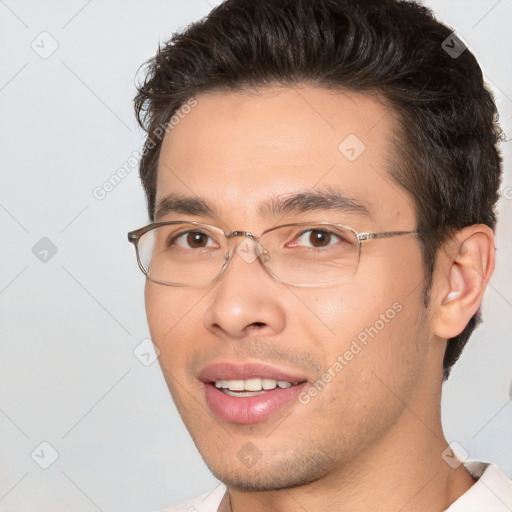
463, 270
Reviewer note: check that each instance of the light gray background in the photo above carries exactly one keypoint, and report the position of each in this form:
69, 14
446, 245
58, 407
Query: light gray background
68, 373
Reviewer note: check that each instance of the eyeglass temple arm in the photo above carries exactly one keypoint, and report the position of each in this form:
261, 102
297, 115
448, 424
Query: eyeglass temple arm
386, 234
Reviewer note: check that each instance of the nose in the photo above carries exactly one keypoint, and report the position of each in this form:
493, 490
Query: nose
246, 300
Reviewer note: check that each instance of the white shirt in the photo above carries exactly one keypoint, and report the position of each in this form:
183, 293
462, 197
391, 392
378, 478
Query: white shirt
492, 492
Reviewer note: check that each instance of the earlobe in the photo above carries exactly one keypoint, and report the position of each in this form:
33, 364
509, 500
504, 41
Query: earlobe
464, 273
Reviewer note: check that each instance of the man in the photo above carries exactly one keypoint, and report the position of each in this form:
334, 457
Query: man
321, 179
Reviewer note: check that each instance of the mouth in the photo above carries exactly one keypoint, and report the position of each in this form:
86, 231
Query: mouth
251, 387
250, 393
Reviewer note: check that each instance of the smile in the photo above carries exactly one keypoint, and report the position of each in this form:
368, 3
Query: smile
251, 387
249, 393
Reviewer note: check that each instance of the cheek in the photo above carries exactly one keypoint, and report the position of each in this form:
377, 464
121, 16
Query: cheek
368, 327
157, 311
373, 351
171, 312
340, 312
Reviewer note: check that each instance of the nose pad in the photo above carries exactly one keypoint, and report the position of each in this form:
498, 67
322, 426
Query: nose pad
265, 256
249, 250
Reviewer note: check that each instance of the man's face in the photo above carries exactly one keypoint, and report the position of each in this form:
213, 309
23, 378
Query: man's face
366, 339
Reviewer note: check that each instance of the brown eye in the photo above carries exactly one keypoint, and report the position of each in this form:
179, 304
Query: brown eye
319, 238
314, 238
197, 239
192, 240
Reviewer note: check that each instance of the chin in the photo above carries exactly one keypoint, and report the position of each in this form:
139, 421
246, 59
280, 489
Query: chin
269, 474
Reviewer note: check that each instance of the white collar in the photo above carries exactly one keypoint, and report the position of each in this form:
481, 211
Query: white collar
492, 491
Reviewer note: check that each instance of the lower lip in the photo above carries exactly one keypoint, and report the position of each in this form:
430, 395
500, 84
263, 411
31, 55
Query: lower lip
252, 409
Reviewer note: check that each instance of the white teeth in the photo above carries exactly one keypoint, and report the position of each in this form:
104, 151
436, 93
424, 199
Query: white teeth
268, 383
235, 385
254, 384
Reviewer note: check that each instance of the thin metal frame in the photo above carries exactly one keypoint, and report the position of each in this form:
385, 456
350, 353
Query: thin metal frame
135, 235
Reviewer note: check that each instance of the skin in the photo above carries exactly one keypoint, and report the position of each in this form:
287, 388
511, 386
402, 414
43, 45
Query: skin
372, 438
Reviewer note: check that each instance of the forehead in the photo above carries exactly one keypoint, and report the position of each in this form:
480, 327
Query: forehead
239, 150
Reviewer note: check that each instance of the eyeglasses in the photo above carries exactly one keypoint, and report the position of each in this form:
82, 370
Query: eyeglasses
178, 253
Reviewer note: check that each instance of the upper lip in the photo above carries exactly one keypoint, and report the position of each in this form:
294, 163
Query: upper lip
242, 371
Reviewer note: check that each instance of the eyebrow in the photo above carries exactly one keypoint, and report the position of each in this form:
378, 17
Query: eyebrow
184, 205
314, 200
310, 200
